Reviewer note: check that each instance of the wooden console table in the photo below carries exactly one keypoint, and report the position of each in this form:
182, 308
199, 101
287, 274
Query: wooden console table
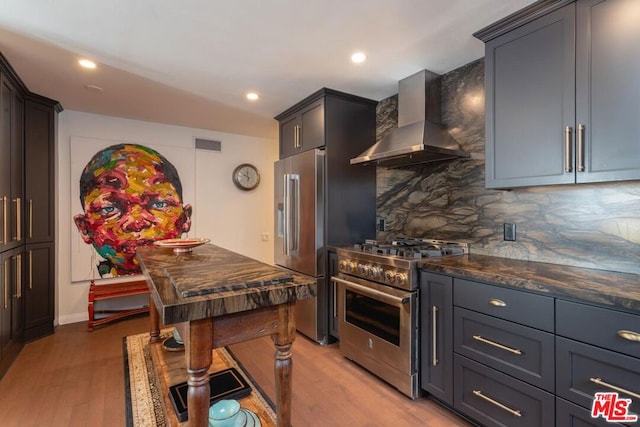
251, 305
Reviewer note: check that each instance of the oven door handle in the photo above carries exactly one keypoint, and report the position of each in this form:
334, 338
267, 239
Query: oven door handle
373, 293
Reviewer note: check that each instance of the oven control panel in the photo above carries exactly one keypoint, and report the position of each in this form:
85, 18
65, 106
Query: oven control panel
389, 275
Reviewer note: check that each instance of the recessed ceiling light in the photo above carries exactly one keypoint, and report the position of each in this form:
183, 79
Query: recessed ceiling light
93, 88
252, 96
358, 57
87, 63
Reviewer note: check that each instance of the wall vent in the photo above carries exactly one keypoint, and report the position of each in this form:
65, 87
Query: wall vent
208, 144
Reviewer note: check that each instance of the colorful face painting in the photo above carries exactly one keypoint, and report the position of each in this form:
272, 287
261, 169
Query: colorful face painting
131, 196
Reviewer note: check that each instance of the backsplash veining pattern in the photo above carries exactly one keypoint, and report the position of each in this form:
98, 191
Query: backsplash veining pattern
594, 225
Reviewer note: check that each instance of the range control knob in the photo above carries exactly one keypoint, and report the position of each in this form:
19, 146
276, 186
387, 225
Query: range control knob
401, 278
388, 276
343, 265
350, 267
375, 272
363, 269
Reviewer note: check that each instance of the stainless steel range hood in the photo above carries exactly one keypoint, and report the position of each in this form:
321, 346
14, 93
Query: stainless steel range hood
420, 136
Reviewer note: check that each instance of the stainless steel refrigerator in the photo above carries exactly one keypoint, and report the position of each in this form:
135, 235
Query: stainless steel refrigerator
300, 233
321, 200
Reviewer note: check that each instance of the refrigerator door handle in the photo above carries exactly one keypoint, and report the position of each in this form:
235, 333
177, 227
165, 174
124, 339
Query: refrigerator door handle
292, 193
286, 215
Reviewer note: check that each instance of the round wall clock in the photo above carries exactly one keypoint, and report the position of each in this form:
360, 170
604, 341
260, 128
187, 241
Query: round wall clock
246, 177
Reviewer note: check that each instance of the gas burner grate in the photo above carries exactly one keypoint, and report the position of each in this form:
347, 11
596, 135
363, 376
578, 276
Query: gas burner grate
412, 248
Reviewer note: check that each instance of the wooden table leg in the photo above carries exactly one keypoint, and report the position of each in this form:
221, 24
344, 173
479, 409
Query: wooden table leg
283, 341
198, 345
154, 317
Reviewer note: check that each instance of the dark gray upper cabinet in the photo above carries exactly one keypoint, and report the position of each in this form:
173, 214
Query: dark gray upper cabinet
607, 85
302, 130
560, 104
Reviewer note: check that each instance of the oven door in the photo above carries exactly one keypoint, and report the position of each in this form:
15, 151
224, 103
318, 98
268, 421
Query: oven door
378, 330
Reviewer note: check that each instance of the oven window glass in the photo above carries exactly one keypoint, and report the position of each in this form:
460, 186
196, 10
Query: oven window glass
379, 318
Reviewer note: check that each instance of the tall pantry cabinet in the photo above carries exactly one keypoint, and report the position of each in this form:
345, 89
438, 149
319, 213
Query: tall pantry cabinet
27, 143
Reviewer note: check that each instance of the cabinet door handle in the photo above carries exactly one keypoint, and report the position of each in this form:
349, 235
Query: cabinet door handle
580, 147
30, 203
30, 269
18, 261
6, 284
434, 335
568, 153
18, 219
497, 302
515, 412
5, 221
614, 387
629, 335
296, 136
497, 345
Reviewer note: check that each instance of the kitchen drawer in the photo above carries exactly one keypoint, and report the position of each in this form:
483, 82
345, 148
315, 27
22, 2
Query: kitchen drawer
520, 351
513, 402
570, 415
525, 308
577, 363
599, 326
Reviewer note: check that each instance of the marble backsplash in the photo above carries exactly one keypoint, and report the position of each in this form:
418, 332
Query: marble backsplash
592, 225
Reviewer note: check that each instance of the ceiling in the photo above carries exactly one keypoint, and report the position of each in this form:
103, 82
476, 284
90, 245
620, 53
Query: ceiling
190, 62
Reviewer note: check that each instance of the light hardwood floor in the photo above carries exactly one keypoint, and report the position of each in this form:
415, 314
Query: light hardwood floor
76, 378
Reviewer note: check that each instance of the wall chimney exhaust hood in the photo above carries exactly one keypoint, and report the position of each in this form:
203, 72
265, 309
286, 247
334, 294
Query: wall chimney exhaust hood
420, 136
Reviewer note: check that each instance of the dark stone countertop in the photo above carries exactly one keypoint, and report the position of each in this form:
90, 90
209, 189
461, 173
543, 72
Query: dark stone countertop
616, 290
220, 282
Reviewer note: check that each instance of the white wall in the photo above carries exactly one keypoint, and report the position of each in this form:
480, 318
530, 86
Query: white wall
231, 218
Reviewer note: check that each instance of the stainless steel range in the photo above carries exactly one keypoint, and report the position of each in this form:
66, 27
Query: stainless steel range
377, 287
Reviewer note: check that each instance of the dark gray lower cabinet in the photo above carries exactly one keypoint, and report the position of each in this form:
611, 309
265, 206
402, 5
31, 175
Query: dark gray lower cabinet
436, 323
570, 415
517, 350
584, 369
599, 326
495, 399
506, 357
503, 350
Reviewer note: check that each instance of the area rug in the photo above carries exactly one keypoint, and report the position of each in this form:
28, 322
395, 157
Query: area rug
147, 388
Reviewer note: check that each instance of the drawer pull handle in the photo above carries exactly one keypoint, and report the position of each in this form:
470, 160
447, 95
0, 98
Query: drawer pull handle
498, 345
515, 412
497, 302
613, 387
629, 335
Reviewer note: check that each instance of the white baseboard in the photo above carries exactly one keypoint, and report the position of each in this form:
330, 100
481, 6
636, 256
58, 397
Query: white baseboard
73, 318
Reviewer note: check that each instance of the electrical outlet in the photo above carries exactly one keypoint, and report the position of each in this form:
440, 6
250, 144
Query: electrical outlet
509, 232
382, 224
